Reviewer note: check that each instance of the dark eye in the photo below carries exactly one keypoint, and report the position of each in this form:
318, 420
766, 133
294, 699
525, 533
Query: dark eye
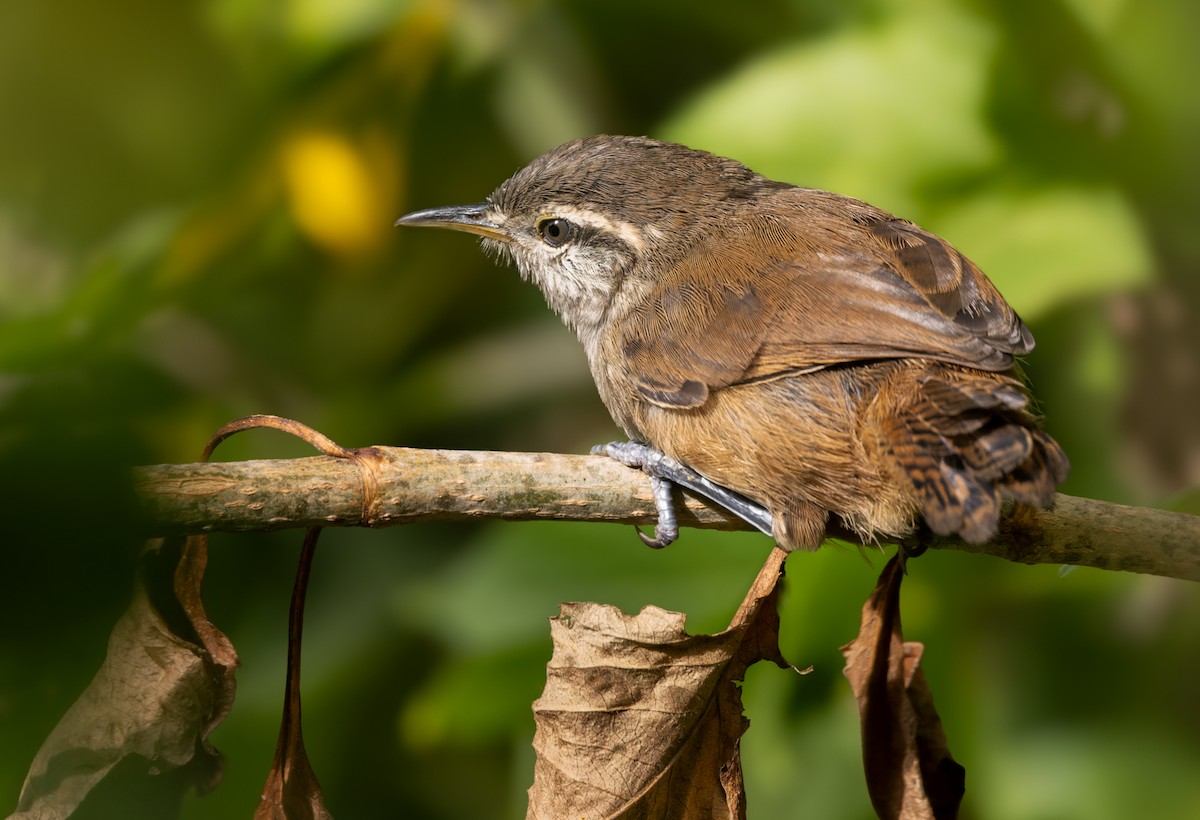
555, 231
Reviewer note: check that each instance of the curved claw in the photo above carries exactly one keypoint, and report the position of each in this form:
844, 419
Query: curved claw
655, 543
913, 546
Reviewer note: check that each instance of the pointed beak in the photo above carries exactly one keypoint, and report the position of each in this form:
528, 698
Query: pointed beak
474, 219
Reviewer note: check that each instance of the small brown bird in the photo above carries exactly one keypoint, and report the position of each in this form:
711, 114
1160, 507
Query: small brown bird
808, 351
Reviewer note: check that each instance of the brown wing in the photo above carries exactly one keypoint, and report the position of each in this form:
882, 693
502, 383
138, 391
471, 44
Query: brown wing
950, 283
867, 287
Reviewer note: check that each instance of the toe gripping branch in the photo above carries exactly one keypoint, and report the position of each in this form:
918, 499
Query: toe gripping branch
665, 471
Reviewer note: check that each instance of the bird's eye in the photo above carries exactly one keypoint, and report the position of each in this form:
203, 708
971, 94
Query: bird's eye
555, 231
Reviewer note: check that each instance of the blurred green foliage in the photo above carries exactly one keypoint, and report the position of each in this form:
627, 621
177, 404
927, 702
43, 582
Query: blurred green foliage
195, 211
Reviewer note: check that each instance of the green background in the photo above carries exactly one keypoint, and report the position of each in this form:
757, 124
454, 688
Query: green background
196, 203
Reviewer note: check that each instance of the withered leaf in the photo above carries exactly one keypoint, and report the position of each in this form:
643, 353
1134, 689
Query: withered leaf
640, 719
220, 658
152, 703
910, 773
292, 791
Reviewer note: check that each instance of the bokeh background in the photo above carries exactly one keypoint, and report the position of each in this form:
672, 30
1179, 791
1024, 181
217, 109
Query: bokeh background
196, 207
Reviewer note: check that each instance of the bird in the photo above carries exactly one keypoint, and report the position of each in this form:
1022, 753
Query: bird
829, 367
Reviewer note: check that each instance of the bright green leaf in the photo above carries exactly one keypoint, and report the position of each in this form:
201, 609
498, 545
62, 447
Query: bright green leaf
1043, 247
870, 111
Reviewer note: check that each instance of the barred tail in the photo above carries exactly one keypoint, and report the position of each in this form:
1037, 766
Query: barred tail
967, 439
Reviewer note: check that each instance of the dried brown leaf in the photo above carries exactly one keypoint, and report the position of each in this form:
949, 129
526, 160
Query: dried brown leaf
220, 658
640, 719
910, 773
152, 704
292, 791
168, 681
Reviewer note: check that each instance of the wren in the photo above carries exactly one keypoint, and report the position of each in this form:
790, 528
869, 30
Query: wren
805, 358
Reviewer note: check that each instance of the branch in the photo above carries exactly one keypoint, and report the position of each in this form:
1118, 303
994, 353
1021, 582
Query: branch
385, 486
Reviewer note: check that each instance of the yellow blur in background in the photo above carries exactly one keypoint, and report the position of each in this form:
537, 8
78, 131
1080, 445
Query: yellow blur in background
341, 194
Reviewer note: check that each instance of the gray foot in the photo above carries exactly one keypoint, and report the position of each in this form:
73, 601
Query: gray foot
665, 471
